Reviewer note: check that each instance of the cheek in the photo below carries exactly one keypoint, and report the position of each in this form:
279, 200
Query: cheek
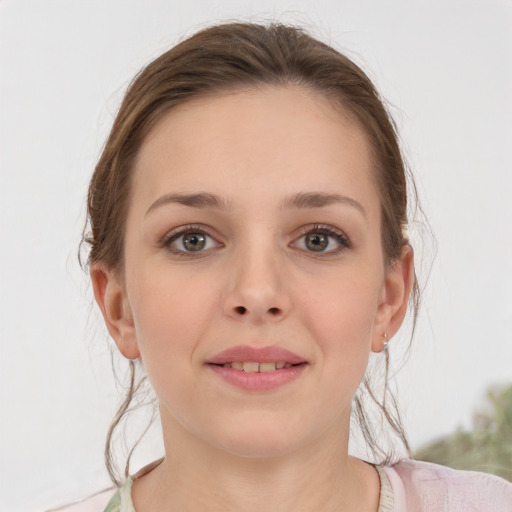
170, 315
340, 314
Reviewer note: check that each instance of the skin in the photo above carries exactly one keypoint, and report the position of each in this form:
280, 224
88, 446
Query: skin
255, 283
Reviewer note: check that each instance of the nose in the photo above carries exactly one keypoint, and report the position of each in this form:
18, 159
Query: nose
256, 289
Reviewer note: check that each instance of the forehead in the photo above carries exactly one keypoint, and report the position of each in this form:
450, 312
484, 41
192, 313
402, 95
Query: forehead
243, 141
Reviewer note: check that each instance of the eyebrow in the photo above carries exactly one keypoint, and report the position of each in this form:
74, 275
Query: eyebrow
199, 200
319, 200
300, 200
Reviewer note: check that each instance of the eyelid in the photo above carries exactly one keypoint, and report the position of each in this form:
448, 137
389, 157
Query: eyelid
342, 240
340, 236
174, 234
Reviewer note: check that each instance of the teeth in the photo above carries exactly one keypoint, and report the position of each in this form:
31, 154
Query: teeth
252, 367
267, 367
255, 367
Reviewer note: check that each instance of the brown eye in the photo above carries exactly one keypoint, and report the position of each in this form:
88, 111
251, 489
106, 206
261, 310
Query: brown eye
317, 242
189, 240
194, 241
324, 240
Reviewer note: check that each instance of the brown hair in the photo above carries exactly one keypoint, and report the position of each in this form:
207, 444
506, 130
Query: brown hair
241, 55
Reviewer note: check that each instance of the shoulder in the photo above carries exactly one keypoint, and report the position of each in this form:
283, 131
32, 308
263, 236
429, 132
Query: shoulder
111, 500
424, 486
96, 503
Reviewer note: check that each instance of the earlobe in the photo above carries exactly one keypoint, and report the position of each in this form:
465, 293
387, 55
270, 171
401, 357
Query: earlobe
113, 303
394, 298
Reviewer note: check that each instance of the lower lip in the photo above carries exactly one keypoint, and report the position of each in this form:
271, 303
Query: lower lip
259, 381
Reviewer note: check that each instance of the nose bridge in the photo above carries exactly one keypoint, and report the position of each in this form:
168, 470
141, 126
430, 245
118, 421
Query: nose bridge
256, 288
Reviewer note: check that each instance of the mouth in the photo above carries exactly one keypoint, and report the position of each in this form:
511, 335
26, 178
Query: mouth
258, 369
257, 359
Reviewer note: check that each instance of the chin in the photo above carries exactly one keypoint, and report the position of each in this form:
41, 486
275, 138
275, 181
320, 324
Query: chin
259, 439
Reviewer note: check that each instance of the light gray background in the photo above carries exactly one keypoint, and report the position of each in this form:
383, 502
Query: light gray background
445, 66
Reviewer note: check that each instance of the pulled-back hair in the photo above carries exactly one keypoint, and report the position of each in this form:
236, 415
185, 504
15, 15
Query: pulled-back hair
243, 56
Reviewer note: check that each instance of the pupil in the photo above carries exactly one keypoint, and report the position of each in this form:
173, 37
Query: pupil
317, 242
194, 241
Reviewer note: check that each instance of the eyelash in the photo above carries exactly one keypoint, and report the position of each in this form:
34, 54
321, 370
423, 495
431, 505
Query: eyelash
177, 233
324, 229
321, 229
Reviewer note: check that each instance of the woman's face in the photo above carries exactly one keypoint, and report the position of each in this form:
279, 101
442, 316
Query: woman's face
253, 236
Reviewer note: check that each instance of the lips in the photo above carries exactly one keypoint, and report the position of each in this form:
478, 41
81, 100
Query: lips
258, 370
244, 353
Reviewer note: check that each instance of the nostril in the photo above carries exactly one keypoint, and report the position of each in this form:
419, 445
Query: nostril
242, 310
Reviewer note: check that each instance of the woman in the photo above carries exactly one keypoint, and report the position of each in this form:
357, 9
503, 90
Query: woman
249, 251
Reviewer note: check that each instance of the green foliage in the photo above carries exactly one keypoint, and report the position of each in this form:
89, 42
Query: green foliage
488, 447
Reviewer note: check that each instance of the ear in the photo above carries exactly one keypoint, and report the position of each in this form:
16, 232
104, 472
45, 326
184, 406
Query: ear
110, 295
394, 298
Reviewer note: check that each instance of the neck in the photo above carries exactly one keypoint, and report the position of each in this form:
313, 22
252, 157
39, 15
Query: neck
198, 477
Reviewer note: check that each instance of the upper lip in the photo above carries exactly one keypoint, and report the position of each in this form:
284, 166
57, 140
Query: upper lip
245, 353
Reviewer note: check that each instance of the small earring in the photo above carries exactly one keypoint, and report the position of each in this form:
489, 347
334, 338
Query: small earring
386, 342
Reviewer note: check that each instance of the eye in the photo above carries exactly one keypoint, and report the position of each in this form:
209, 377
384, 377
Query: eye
323, 239
188, 240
